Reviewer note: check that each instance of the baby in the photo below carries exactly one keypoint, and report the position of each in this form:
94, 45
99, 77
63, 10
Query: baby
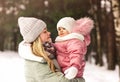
71, 45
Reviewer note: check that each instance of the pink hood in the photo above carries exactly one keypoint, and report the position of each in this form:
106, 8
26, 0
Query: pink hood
84, 26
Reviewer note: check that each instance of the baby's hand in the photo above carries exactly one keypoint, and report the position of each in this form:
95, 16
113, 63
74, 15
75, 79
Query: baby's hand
71, 72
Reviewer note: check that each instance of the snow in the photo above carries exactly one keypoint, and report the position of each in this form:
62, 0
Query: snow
12, 70
11, 67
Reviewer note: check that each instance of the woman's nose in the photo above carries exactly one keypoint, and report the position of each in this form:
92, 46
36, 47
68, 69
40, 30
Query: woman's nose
49, 33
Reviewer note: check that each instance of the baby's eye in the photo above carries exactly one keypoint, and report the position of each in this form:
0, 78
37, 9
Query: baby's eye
61, 28
64, 29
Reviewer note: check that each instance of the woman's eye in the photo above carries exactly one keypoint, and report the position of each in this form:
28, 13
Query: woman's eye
44, 31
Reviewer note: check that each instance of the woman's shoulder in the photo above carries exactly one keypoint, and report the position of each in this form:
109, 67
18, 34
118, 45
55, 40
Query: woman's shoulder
25, 52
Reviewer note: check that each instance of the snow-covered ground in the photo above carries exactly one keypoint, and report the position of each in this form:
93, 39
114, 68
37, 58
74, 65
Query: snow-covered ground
11, 70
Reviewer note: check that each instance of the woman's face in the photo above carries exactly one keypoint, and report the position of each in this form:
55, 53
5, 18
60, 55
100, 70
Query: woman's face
62, 31
45, 35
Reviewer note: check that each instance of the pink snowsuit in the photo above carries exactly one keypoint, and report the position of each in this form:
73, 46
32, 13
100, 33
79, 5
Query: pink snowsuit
72, 48
71, 53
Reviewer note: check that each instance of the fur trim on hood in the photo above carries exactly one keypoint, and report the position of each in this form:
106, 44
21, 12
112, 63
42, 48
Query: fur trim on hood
25, 52
83, 26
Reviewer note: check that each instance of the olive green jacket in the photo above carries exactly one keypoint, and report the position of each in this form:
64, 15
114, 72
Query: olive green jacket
37, 70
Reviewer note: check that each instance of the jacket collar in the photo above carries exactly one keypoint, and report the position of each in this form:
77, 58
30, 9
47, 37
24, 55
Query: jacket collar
25, 52
70, 36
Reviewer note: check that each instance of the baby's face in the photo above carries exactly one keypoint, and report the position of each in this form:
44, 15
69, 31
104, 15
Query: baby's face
62, 31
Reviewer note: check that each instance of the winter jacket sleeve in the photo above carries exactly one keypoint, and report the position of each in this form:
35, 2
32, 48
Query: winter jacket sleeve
76, 50
38, 72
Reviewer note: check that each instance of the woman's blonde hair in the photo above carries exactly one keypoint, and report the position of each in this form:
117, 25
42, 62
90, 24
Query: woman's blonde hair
38, 50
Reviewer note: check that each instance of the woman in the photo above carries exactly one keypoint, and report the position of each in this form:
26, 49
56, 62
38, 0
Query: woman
38, 66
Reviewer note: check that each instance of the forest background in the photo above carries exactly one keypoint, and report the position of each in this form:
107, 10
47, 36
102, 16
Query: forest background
105, 37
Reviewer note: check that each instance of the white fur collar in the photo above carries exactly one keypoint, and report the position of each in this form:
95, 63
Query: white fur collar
25, 52
70, 36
